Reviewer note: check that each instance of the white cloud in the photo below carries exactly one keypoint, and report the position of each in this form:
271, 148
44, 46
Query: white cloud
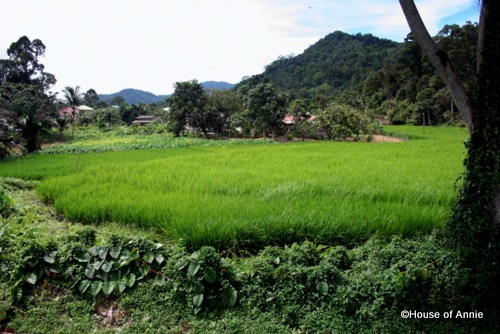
115, 44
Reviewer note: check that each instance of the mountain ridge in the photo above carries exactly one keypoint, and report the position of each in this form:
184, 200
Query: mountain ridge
136, 96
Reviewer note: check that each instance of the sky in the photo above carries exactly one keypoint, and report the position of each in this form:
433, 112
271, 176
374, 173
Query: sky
110, 45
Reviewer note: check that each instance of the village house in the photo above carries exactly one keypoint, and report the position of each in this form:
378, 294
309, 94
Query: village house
67, 111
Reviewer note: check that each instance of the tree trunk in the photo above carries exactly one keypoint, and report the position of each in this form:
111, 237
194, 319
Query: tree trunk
482, 179
474, 225
489, 94
440, 61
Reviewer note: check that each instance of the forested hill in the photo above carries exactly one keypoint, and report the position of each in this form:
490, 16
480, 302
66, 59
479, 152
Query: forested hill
136, 96
339, 60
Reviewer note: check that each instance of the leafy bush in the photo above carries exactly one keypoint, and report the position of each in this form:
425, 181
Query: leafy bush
204, 278
6, 205
292, 281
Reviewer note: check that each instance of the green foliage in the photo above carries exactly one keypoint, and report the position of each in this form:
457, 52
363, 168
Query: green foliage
292, 281
6, 205
302, 287
266, 106
102, 117
187, 105
339, 60
343, 121
223, 105
203, 278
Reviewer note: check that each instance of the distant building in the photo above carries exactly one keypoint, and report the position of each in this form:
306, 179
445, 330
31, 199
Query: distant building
67, 111
289, 120
145, 119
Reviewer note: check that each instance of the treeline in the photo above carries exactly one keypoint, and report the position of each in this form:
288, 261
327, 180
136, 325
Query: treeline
342, 86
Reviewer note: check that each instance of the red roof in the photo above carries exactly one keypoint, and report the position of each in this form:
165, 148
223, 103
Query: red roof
290, 119
67, 111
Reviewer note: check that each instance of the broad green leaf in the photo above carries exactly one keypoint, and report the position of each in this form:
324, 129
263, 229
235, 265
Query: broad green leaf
130, 259
95, 287
102, 253
144, 270
322, 287
84, 285
159, 258
93, 251
109, 286
69, 271
160, 280
75, 281
149, 257
181, 265
197, 300
104, 276
50, 258
193, 268
125, 255
98, 264
115, 276
107, 266
229, 296
30, 278
122, 284
158, 246
130, 279
90, 272
114, 252
210, 275
55, 268
83, 257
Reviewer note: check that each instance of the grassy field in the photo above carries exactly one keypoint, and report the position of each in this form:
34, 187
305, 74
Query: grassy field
249, 196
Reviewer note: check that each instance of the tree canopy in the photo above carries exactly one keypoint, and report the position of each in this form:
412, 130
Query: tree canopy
24, 103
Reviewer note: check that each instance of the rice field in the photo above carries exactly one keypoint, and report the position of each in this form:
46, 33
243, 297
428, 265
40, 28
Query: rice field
249, 196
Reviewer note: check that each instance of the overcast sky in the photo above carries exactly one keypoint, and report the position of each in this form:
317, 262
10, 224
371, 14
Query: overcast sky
110, 45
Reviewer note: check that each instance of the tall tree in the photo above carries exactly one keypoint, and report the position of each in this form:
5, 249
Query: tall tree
72, 98
475, 224
187, 105
91, 98
23, 66
221, 105
267, 107
24, 103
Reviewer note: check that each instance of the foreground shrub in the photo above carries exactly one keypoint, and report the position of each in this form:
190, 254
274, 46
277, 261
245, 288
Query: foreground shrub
305, 287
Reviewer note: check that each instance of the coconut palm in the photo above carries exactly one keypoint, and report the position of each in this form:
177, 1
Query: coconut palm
61, 123
72, 98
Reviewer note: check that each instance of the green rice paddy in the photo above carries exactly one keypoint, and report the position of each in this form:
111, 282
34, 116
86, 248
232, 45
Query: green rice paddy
249, 196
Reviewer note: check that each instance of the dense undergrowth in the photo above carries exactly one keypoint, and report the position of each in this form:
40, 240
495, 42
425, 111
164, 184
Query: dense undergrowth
300, 288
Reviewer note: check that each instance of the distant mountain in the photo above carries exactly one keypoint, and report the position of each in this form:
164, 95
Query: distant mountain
136, 96
217, 85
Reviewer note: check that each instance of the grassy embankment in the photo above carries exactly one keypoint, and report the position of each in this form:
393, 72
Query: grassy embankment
255, 195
